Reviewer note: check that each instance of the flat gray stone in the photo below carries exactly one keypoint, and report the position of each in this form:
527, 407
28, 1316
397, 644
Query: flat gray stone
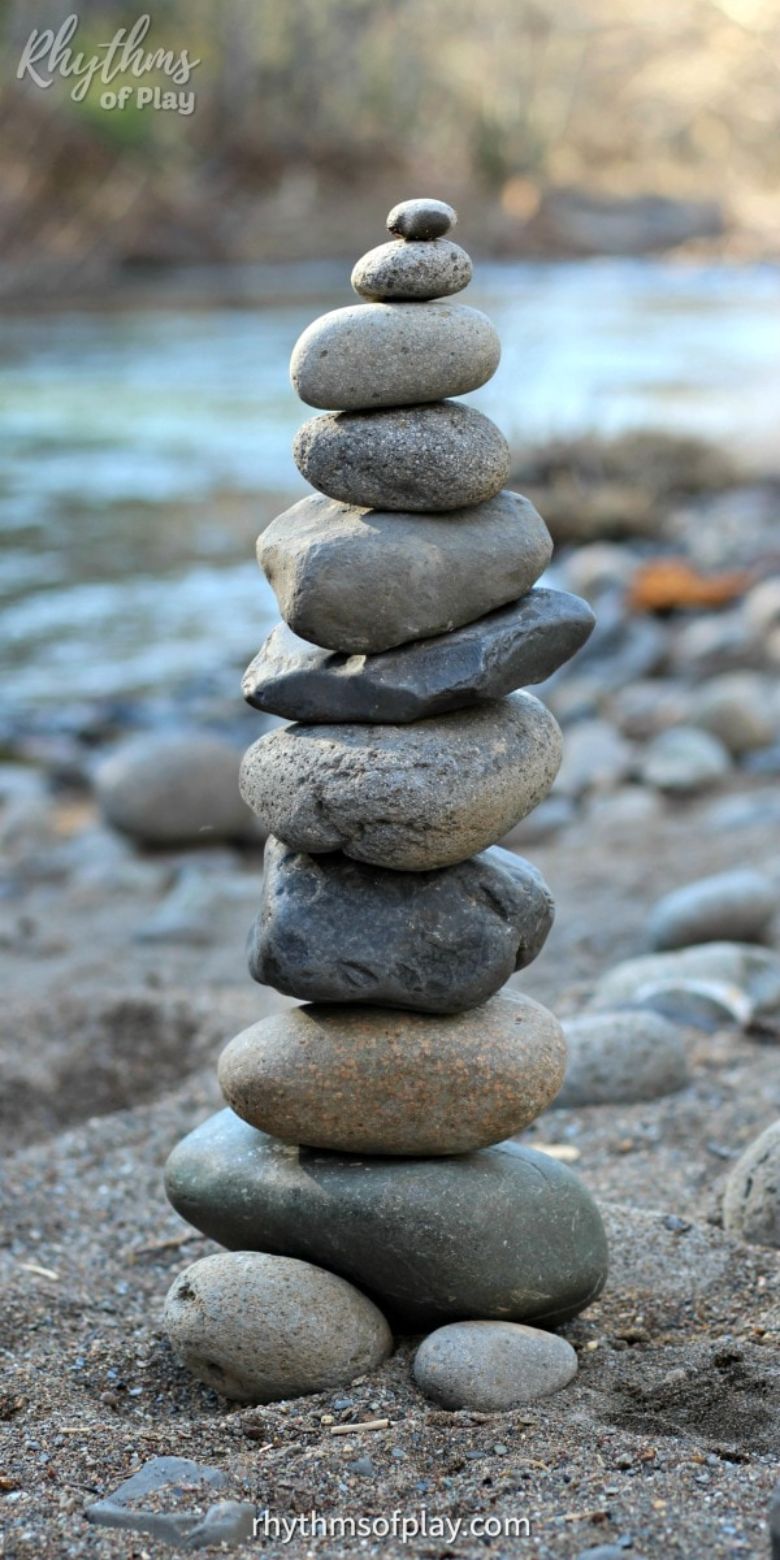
335, 930
257, 1328
182, 1528
751, 1205
507, 649
733, 906
752, 972
684, 760
176, 789
393, 354
404, 271
370, 1080
502, 1233
737, 709
422, 458
595, 758
363, 581
620, 1057
492, 1366
422, 218
412, 798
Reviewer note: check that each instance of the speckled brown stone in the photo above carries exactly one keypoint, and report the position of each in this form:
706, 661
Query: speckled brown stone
379, 1081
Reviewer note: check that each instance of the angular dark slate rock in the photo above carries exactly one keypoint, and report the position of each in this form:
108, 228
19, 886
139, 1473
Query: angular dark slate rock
335, 930
507, 649
503, 1232
393, 354
411, 797
363, 581
433, 457
401, 271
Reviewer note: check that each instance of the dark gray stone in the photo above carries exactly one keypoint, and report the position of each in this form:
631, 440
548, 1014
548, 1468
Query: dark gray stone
411, 797
501, 1233
422, 218
393, 354
404, 271
423, 458
507, 649
365, 581
335, 930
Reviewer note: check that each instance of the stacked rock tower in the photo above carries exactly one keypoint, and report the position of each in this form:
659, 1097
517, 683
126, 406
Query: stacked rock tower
367, 1130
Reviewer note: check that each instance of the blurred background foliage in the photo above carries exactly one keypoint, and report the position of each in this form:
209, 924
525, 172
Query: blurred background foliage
568, 125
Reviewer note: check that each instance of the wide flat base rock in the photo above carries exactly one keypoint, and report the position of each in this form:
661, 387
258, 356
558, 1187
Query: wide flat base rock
362, 581
522, 643
380, 1081
502, 1233
412, 798
335, 930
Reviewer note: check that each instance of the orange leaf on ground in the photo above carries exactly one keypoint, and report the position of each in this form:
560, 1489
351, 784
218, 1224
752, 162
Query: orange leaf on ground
666, 584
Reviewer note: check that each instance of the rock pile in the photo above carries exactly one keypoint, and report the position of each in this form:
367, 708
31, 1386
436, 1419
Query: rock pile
367, 1132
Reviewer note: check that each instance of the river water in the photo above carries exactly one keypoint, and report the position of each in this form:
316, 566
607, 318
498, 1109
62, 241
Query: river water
142, 448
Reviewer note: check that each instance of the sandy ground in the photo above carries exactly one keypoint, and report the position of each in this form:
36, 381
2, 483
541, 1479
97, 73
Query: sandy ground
667, 1441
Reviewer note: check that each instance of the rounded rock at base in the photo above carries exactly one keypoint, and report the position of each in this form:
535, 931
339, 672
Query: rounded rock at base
258, 1328
492, 1366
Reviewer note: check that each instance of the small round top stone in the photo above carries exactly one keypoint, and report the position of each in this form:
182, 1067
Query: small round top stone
421, 219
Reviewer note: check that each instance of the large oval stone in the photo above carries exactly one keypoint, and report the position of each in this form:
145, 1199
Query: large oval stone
380, 1081
393, 354
436, 457
362, 581
401, 271
503, 1232
335, 930
408, 797
257, 1328
507, 649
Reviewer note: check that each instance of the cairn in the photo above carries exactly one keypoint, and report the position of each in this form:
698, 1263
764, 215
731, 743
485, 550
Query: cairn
367, 1131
